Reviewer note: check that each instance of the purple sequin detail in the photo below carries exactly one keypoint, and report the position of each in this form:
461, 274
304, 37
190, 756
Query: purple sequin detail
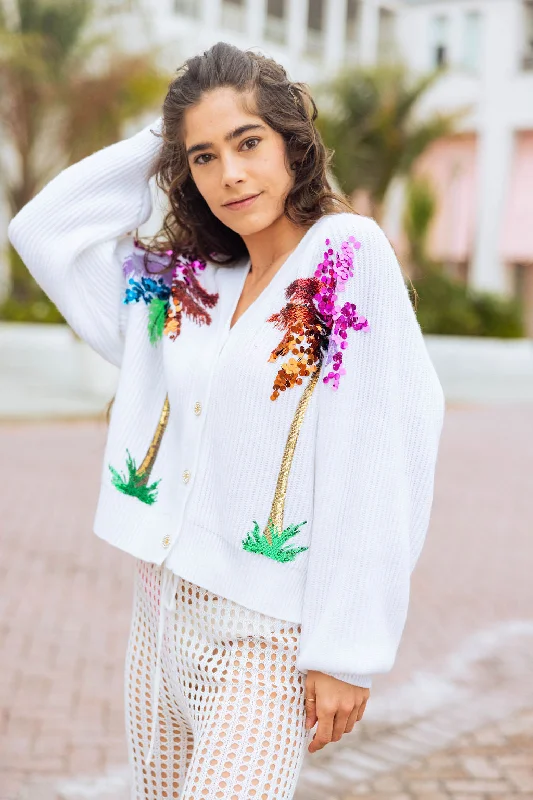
134, 267
148, 281
334, 272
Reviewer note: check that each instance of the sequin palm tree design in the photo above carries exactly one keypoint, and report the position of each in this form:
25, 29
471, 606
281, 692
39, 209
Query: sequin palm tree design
306, 338
315, 329
168, 296
136, 480
271, 542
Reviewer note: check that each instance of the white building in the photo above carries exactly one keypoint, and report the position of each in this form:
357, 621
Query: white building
312, 38
484, 175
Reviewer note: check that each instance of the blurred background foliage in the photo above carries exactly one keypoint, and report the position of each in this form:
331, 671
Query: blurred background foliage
368, 117
445, 305
66, 90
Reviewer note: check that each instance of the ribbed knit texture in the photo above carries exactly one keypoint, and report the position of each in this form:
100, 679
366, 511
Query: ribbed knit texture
361, 480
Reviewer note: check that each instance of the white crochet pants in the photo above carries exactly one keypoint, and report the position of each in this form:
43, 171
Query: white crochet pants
230, 701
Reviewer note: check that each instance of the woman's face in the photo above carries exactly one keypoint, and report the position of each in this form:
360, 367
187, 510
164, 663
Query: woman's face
234, 155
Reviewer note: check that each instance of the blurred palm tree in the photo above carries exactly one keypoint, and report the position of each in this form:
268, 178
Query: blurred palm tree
369, 117
65, 92
418, 212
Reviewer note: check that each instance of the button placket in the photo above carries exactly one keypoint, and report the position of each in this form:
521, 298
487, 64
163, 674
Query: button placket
192, 439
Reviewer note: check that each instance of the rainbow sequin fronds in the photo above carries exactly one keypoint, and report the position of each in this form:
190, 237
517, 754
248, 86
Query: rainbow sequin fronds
315, 326
168, 292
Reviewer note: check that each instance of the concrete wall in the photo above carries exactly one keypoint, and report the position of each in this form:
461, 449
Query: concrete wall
46, 372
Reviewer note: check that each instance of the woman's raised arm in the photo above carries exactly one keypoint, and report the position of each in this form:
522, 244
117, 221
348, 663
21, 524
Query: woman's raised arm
68, 235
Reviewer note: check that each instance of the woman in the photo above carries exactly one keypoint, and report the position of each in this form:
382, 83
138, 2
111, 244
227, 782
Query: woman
272, 444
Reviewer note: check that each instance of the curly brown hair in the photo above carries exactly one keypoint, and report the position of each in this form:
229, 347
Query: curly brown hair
286, 106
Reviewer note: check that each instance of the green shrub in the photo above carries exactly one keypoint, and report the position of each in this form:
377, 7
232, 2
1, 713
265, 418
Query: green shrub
447, 306
26, 302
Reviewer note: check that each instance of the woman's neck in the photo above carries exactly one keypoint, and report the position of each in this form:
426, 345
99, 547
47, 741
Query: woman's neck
271, 245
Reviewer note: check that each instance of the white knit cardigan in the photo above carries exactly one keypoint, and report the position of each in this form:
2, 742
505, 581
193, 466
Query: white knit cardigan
286, 463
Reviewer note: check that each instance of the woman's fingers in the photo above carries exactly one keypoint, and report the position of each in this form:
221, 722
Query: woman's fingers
324, 730
341, 721
361, 709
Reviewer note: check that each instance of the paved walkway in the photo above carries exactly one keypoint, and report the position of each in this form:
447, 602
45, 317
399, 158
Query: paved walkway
463, 670
495, 761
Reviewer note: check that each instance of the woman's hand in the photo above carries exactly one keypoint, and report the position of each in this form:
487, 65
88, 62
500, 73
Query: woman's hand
336, 705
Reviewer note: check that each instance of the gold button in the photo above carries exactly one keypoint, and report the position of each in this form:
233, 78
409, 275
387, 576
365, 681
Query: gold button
186, 476
166, 541
197, 408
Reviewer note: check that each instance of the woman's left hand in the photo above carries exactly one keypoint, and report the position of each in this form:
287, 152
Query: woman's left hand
336, 705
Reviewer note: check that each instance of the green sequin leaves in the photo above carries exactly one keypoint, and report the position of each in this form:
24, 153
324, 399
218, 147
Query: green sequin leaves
271, 544
134, 483
157, 312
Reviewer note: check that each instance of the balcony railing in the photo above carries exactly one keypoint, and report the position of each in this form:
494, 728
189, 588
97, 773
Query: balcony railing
233, 16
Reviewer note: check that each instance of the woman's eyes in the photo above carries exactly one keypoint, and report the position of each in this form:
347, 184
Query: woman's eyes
253, 139
209, 156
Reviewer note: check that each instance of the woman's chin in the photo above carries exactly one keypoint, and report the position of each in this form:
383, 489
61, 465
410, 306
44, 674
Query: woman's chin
248, 224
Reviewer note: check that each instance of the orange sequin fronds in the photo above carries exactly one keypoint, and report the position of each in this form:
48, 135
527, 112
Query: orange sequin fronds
188, 297
306, 335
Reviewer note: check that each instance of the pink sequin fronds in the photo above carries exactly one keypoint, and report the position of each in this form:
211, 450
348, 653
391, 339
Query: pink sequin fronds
333, 273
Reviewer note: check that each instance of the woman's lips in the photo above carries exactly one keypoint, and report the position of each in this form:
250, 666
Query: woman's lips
242, 203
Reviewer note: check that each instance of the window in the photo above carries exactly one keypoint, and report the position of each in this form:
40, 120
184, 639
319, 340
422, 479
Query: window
353, 11
472, 40
439, 41
189, 8
234, 15
315, 27
527, 53
386, 35
315, 15
276, 23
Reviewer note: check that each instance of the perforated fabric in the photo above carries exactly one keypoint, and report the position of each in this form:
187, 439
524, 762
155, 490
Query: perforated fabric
231, 716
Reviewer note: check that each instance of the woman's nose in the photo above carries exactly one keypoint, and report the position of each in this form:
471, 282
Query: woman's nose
232, 170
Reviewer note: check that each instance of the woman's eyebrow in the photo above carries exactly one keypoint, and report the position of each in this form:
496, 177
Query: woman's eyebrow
234, 134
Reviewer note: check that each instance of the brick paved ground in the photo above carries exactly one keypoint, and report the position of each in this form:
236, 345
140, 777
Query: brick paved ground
66, 600
495, 762
65, 605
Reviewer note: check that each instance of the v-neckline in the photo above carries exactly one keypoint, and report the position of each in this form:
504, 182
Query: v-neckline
240, 273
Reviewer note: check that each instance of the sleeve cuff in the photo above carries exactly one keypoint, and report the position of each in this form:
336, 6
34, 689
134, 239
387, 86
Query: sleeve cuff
365, 681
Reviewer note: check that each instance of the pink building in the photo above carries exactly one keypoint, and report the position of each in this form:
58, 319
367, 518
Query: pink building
483, 176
